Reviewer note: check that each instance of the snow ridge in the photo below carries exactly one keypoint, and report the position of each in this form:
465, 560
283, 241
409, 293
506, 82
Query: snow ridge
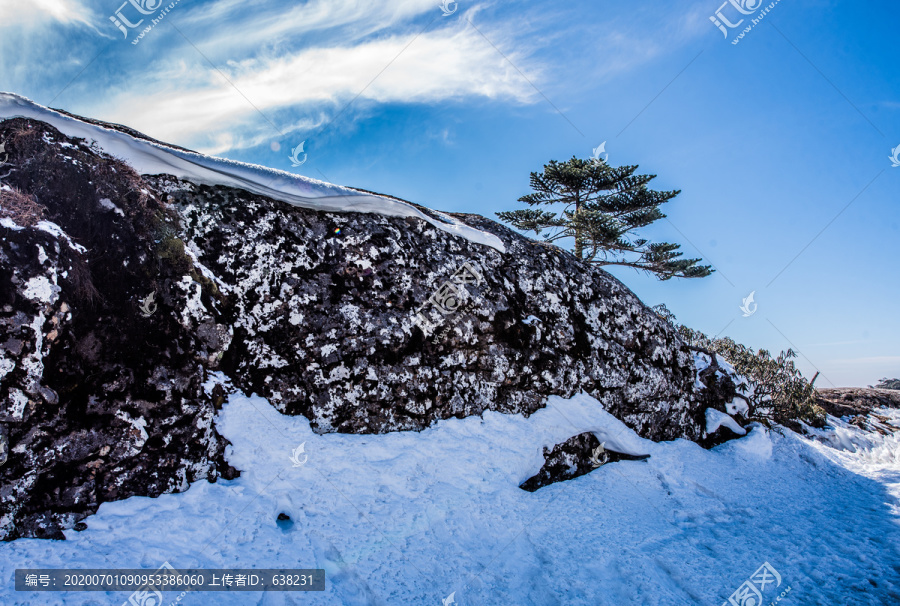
147, 157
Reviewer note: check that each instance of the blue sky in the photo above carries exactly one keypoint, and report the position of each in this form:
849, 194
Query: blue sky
780, 143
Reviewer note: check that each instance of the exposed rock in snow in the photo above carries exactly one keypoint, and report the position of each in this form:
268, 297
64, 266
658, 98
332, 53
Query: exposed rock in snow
362, 322
854, 401
317, 314
577, 456
716, 419
98, 402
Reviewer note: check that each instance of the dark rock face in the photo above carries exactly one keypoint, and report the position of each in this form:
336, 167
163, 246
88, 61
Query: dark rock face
99, 402
102, 385
575, 457
323, 308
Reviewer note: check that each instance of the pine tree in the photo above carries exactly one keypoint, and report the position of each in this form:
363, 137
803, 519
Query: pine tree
603, 206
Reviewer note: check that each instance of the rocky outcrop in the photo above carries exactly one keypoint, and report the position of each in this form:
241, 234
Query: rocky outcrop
324, 309
848, 401
719, 392
857, 406
119, 292
99, 401
577, 456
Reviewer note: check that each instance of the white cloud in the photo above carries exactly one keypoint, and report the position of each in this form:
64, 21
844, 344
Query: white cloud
30, 13
262, 23
300, 64
439, 65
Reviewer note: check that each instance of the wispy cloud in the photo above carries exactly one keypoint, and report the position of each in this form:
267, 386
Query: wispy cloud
449, 63
282, 68
18, 14
265, 23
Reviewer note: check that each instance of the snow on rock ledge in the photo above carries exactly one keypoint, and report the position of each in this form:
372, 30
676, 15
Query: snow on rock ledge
151, 158
716, 419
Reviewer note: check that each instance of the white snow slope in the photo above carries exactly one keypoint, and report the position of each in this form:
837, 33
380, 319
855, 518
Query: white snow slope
409, 518
149, 158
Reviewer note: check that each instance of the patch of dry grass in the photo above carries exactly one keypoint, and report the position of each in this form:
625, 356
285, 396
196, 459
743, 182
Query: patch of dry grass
23, 209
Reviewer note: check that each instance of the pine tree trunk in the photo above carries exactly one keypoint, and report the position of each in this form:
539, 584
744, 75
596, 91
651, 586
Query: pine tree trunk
578, 244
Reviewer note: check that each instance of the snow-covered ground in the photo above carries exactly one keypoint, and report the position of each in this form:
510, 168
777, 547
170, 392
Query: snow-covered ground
409, 518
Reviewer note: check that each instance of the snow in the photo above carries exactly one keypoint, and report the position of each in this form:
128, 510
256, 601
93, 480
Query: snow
725, 364
738, 405
109, 205
193, 252
716, 419
701, 363
40, 289
10, 224
55, 230
409, 518
868, 454
152, 158
840, 435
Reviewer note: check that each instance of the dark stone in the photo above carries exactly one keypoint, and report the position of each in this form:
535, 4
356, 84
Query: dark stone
284, 522
316, 316
119, 395
719, 389
218, 396
577, 456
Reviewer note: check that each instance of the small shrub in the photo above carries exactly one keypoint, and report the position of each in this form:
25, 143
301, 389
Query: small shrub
774, 388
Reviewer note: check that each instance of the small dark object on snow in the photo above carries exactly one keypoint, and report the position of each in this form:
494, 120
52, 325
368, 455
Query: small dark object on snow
575, 457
